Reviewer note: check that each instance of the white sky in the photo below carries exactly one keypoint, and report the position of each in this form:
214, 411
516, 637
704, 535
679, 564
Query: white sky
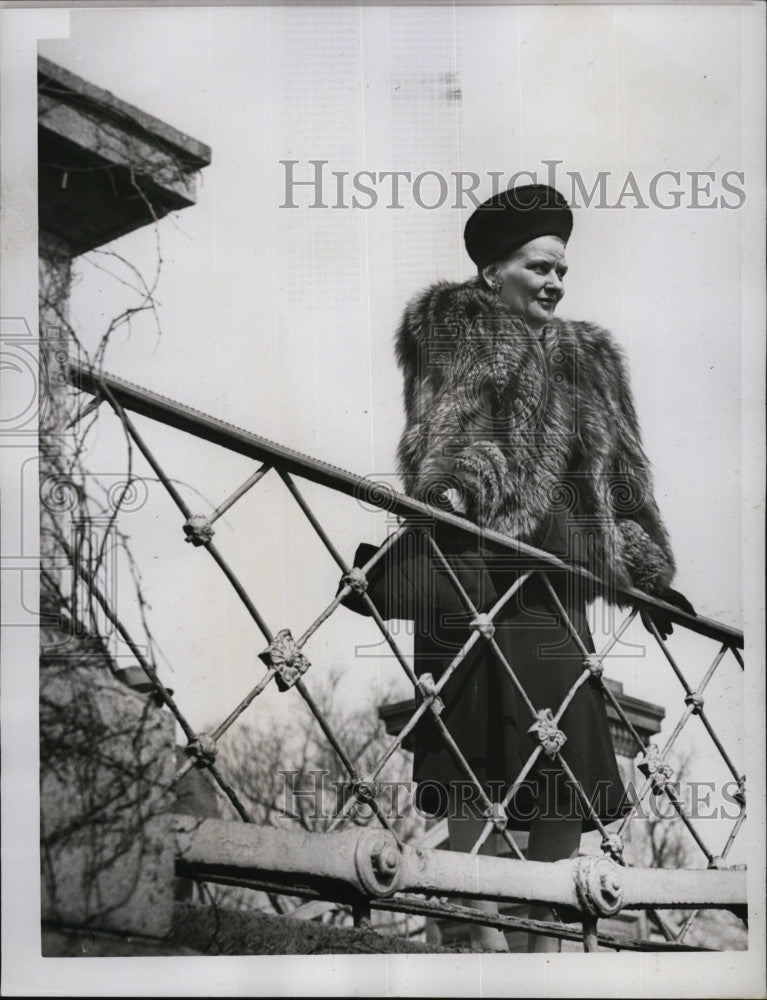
281, 321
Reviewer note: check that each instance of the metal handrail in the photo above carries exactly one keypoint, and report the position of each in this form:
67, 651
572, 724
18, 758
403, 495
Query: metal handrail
143, 401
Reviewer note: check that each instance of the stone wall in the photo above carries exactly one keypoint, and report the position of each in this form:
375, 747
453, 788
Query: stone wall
107, 754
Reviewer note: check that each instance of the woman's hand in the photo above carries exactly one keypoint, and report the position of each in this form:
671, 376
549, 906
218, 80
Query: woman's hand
662, 619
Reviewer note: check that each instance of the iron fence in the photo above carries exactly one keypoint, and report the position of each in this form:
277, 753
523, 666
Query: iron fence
382, 872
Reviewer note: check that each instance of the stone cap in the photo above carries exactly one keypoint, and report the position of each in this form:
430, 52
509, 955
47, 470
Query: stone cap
106, 167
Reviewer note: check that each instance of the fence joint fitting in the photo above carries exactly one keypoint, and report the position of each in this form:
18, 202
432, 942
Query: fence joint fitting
378, 860
613, 845
364, 789
696, 701
551, 738
203, 748
198, 530
355, 579
598, 886
654, 767
594, 665
484, 625
496, 813
740, 794
428, 690
285, 657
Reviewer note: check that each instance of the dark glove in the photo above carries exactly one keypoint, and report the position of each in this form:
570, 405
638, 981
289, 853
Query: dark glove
661, 618
408, 584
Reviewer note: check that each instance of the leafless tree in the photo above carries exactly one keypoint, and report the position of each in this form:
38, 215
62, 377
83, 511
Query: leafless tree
288, 774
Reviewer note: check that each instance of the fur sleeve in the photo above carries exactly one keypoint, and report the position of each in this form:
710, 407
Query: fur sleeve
453, 349
642, 542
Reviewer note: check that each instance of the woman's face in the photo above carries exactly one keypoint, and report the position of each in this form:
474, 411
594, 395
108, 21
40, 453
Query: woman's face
532, 279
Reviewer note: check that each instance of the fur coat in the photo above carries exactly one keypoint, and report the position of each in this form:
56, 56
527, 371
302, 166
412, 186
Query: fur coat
529, 425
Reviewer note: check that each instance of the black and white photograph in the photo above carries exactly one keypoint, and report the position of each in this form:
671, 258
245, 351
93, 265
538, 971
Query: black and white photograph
383, 499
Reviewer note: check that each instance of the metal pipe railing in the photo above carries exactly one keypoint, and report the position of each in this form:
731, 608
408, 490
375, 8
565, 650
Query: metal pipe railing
372, 862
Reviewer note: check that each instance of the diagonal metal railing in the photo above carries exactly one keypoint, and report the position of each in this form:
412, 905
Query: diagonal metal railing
382, 875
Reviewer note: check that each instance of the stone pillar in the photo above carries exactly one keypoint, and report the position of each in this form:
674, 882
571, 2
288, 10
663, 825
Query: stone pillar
57, 493
107, 755
55, 276
106, 772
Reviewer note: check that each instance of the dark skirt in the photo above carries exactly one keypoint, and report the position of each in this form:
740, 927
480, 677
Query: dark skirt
485, 712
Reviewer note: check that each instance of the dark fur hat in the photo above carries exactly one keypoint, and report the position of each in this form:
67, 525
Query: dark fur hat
510, 219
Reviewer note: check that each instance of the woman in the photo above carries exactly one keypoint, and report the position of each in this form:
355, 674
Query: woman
525, 425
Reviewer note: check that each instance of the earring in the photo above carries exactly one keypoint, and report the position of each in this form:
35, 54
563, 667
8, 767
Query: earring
496, 286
